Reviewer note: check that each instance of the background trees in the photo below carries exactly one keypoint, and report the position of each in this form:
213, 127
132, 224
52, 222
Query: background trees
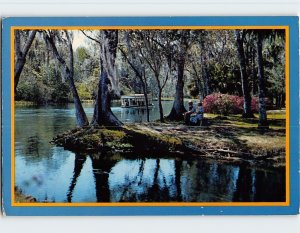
136, 63
21, 53
175, 64
51, 37
240, 37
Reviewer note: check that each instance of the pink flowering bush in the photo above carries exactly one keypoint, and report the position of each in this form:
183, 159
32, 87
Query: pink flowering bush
224, 104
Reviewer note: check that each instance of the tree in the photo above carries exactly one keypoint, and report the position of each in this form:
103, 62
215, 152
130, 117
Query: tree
164, 62
136, 64
203, 60
261, 82
153, 55
50, 36
196, 87
179, 53
21, 53
240, 34
198, 65
109, 77
274, 66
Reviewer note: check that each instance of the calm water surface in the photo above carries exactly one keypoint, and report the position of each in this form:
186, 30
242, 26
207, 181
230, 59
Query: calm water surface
51, 173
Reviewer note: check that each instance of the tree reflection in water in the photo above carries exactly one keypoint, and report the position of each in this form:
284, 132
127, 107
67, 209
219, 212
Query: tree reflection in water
244, 186
78, 165
119, 178
163, 180
101, 170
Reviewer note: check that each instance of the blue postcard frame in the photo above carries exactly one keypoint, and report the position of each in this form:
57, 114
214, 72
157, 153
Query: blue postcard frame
292, 208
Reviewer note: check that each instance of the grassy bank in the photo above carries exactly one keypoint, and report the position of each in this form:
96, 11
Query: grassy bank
25, 103
129, 138
229, 138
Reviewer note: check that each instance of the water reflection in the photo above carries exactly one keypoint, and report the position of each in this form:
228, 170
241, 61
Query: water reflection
164, 180
78, 165
51, 173
245, 187
101, 168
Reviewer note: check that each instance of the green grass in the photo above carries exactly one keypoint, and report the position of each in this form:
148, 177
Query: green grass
87, 101
276, 119
24, 103
280, 116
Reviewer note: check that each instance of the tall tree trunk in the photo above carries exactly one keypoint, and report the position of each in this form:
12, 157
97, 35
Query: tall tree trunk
244, 77
160, 88
18, 70
144, 86
282, 100
206, 80
178, 106
108, 50
204, 70
261, 85
199, 83
254, 71
161, 111
21, 55
102, 110
81, 117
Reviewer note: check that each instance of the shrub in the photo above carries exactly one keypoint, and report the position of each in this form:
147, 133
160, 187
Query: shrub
224, 104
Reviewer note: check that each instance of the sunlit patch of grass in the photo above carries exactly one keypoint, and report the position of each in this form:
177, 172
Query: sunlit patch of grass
276, 119
265, 142
151, 135
242, 124
210, 115
280, 116
24, 103
113, 134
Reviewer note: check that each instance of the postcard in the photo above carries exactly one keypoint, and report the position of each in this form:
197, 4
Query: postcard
150, 116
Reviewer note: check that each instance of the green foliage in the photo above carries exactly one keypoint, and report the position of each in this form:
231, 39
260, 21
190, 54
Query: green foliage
211, 65
60, 93
82, 54
83, 91
193, 89
43, 85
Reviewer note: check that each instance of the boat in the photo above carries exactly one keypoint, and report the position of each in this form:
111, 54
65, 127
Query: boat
135, 101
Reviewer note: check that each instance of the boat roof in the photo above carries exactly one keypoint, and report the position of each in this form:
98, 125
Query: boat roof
133, 96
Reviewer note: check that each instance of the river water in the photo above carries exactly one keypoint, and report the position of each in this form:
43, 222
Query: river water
51, 173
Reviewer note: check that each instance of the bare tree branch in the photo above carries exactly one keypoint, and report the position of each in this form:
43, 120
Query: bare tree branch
91, 38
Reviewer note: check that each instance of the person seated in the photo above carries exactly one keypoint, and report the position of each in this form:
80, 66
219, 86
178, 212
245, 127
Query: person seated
187, 115
198, 116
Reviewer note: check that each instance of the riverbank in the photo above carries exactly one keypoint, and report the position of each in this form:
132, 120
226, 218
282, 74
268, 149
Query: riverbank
24, 103
21, 103
230, 139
